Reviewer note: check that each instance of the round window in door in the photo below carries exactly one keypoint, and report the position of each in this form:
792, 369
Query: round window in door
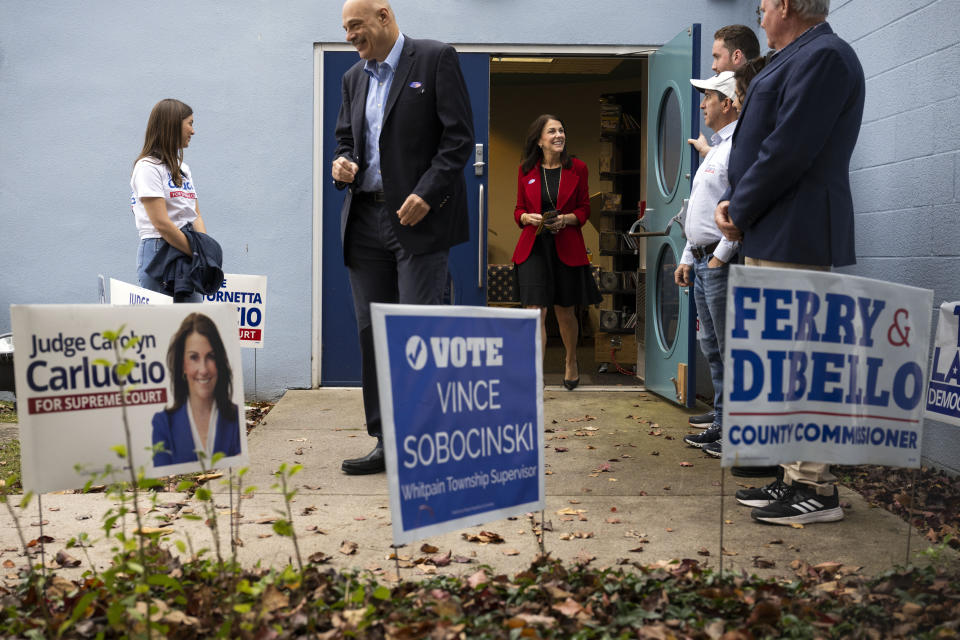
669, 142
668, 298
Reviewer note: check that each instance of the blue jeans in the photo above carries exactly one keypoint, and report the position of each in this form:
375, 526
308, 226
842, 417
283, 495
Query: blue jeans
146, 250
710, 295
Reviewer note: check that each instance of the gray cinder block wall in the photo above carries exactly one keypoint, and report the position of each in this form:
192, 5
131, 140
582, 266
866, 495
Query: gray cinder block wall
905, 172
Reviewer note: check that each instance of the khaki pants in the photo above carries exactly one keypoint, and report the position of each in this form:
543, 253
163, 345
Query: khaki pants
813, 474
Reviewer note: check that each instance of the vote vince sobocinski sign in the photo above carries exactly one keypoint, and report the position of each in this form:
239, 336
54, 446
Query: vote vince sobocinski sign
462, 405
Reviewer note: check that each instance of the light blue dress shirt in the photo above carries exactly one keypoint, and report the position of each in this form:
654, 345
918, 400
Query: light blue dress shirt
378, 88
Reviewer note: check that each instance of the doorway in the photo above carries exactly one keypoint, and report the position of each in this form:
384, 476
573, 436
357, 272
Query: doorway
525, 81
581, 90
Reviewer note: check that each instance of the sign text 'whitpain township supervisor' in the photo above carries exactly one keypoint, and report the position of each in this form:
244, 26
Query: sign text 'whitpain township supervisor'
943, 394
823, 367
462, 409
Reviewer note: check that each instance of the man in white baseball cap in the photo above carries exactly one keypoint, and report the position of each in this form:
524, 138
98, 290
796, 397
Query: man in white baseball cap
707, 255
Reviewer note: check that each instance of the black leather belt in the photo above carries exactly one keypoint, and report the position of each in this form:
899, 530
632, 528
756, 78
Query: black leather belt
372, 196
702, 252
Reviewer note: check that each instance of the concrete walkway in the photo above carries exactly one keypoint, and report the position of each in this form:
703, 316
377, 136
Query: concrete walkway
622, 483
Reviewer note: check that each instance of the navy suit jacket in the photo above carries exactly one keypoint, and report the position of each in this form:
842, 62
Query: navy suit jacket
425, 141
173, 429
790, 162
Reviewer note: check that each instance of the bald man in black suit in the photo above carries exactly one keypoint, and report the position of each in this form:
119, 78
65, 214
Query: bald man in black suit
404, 135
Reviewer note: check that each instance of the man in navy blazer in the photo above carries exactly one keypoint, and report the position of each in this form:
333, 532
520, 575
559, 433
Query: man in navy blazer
790, 163
404, 135
789, 197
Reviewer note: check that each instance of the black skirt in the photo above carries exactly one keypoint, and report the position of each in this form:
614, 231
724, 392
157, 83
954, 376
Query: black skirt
543, 279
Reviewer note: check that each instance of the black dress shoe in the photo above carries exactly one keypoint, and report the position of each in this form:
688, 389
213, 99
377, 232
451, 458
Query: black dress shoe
373, 462
571, 384
755, 472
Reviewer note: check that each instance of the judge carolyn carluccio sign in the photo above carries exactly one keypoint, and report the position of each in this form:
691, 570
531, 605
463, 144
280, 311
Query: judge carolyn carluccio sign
823, 367
183, 394
462, 408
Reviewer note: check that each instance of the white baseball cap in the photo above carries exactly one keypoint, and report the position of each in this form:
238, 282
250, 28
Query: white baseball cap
722, 82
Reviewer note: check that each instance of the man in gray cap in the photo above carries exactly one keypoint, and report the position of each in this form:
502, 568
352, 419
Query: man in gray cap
707, 255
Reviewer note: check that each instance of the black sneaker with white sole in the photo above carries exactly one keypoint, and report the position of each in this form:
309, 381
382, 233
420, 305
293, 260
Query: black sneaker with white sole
714, 448
704, 437
801, 505
762, 496
702, 419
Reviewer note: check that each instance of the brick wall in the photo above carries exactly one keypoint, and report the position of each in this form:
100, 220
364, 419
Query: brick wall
905, 172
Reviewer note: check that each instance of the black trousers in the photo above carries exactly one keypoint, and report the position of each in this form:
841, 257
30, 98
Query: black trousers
381, 270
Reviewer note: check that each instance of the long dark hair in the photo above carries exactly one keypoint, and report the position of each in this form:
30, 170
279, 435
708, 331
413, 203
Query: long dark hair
531, 150
199, 323
745, 74
164, 137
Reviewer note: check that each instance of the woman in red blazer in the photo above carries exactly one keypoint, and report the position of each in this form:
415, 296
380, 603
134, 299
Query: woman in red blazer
553, 202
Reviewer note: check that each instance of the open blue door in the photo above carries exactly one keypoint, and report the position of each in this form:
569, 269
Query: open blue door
340, 347
673, 118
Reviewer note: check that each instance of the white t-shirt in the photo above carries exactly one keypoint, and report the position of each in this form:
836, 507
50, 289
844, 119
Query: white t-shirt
152, 179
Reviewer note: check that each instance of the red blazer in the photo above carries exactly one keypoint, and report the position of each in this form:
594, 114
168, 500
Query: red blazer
574, 197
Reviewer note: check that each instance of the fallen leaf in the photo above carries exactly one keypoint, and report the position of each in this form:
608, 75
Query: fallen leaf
686, 464
428, 548
477, 579
531, 619
511, 552
560, 449
348, 548
318, 557
484, 537
163, 531
703, 551
64, 559
613, 520
568, 607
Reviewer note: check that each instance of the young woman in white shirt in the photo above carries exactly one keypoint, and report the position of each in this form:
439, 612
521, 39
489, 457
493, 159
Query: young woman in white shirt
163, 193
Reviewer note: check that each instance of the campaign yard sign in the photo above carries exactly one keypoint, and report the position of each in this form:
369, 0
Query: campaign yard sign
461, 401
943, 394
186, 367
823, 367
249, 294
125, 293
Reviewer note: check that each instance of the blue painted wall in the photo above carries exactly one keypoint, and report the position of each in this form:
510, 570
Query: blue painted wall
905, 172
